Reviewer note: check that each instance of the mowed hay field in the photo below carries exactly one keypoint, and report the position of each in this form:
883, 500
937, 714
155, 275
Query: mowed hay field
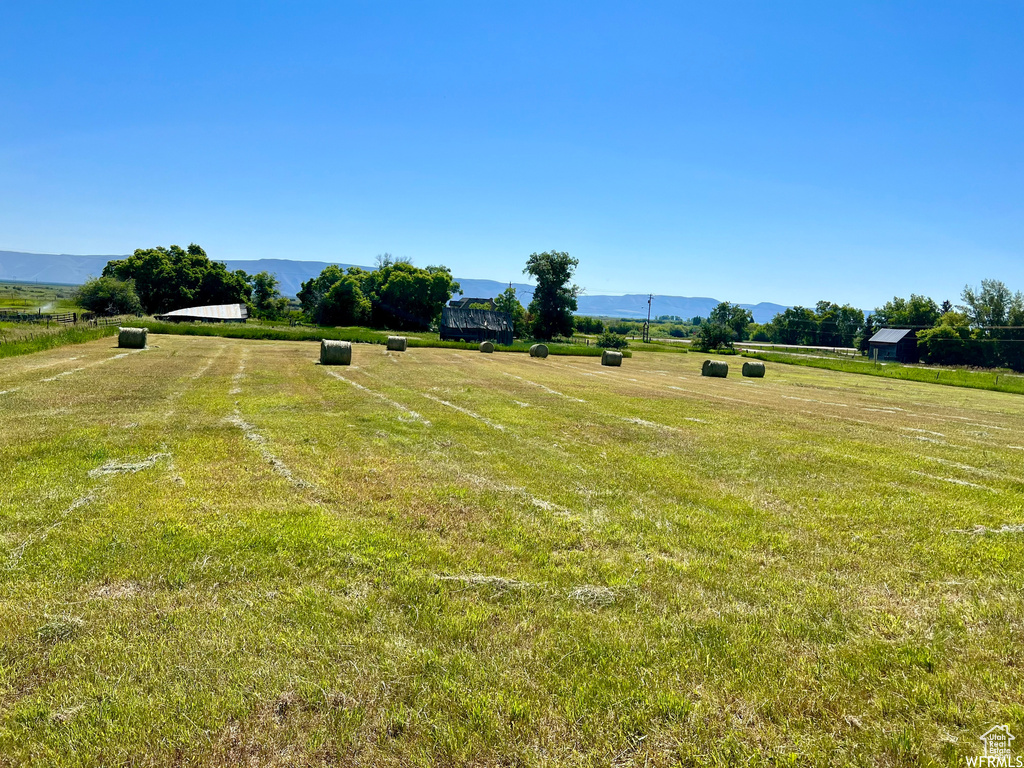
216, 552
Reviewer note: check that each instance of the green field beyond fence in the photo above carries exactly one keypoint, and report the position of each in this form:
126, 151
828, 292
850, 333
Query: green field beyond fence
997, 381
26, 339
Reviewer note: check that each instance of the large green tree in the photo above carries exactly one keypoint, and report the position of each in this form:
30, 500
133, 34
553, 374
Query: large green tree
267, 301
838, 326
344, 304
554, 298
395, 295
172, 278
733, 317
507, 302
915, 312
313, 290
996, 315
407, 297
108, 296
795, 325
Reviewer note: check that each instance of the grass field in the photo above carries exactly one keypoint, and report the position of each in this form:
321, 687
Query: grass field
995, 380
218, 552
32, 296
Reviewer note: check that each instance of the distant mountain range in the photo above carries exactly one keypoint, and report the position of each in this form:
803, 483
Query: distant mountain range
74, 270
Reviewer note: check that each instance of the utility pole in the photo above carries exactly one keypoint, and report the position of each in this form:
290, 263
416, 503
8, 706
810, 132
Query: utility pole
647, 325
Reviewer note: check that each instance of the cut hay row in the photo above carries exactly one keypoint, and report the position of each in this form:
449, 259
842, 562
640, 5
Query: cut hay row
549, 390
398, 406
40, 535
482, 483
254, 437
465, 411
115, 467
60, 375
87, 366
956, 481
236, 380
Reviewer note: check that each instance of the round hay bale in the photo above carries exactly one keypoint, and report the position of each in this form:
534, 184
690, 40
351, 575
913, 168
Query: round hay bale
753, 370
486, 346
715, 368
611, 357
132, 338
335, 352
397, 343
539, 350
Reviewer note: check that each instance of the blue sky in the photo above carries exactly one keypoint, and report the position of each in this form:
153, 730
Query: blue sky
758, 151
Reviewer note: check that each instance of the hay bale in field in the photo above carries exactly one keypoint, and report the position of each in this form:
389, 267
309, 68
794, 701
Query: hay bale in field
486, 346
397, 343
132, 338
335, 352
611, 357
715, 368
539, 350
753, 370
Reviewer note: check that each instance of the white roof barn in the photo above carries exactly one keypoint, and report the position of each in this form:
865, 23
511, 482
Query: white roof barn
214, 313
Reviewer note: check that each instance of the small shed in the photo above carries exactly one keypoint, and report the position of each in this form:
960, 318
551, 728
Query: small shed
475, 325
215, 313
898, 344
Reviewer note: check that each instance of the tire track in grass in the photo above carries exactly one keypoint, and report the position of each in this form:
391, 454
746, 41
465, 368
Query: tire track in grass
407, 411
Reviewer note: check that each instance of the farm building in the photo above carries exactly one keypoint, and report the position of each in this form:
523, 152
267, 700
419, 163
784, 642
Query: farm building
465, 301
899, 344
475, 325
215, 313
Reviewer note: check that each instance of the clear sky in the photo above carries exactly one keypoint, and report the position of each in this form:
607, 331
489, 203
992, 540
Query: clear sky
760, 151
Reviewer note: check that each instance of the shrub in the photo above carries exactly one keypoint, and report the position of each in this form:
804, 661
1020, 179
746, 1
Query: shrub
109, 296
712, 336
609, 340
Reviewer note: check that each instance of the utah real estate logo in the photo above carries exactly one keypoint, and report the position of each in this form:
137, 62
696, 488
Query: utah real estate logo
997, 741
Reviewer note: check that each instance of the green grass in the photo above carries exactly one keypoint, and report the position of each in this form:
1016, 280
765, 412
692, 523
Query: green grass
24, 338
997, 381
216, 552
33, 296
265, 332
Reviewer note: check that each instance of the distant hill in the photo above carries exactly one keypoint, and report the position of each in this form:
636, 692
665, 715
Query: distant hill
74, 270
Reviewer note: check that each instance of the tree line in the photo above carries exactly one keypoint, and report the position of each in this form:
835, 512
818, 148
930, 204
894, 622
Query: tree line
396, 295
985, 330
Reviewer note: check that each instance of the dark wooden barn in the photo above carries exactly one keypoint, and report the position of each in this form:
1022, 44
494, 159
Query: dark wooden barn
475, 325
898, 344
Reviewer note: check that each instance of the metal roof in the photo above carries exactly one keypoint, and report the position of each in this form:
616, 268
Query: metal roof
212, 312
890, 336
468, 319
